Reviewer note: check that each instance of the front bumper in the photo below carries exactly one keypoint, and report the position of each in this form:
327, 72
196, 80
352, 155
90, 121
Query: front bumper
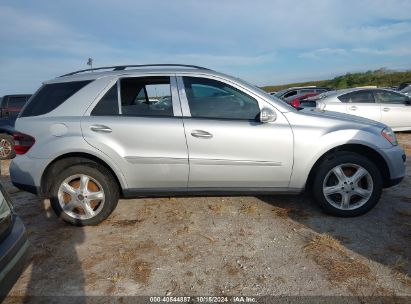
396, 162
13, 254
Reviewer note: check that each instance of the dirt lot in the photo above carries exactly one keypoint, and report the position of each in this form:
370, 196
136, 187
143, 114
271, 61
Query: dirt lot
220, 246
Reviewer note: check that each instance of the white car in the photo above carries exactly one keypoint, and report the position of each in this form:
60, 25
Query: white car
386, 106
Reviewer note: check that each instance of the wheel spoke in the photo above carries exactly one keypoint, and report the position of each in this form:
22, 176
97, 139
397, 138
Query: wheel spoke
87, 209
364, 193
68, 189
339, 173
84, 179
345, 201
361, 172
71, 205
95, 195
332, 190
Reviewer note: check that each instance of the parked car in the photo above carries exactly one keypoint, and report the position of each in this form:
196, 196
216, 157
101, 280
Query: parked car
13, 245
295, 91
295, 101
406, 90
389, 107
219, 135
10, 107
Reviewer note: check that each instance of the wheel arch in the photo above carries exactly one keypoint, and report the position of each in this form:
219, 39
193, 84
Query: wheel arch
370, 153
66, 160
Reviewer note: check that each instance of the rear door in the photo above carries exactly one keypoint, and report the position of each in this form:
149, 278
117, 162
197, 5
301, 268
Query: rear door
395, 109
138, 124
228, 146
362, 103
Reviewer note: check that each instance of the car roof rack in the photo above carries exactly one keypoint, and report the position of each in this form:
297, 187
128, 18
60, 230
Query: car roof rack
123, 67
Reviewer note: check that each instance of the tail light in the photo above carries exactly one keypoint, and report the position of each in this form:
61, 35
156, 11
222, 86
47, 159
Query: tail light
22, 143
296, 103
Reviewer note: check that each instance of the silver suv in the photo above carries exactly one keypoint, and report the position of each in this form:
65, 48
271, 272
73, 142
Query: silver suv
87, 138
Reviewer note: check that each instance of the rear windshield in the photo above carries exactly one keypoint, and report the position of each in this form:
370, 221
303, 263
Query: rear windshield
17, 101
50, 96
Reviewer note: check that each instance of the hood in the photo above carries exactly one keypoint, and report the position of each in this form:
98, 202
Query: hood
341, 116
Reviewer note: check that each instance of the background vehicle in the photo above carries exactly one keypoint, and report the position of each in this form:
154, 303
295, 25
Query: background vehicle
10, 107
406, 90
13, 245
386, 106
296, 91
295, 101
85, 139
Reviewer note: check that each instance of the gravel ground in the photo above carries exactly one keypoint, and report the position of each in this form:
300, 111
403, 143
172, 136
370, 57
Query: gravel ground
268, 245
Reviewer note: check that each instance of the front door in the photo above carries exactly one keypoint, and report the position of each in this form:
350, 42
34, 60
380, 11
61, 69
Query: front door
228, 146
395, 109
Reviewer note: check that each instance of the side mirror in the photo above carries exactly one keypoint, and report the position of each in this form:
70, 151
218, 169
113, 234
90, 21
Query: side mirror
267, 115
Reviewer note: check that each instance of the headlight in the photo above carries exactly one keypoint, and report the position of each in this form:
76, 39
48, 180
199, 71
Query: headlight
389, 135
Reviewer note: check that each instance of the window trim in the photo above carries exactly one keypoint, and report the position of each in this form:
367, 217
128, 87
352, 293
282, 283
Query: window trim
184, 101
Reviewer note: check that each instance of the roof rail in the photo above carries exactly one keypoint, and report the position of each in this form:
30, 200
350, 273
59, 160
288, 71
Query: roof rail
123, 67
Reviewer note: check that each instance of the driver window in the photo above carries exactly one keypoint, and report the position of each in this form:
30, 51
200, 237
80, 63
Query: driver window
390, 97
208, 98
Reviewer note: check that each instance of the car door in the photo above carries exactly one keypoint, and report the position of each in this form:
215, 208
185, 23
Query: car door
362, 103
395, 109
228, 146
138, 124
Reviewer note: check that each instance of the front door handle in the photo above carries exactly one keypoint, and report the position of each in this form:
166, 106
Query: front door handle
386, 109
100, 128
353, 108
201, 134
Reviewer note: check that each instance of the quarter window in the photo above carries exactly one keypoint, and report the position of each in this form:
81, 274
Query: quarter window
208, 98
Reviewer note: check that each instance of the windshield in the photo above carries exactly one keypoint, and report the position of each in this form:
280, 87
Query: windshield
406, 90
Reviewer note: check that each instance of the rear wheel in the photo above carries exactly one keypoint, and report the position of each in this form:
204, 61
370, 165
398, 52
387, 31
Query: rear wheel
84, 194
347, 184
6, 147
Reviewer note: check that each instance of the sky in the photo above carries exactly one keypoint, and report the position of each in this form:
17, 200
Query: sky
262, 42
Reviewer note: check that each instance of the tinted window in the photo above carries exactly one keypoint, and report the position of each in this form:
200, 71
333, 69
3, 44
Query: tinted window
17, 102
289, 94
209, 98
50, 96
390, 97
108, 105
357, 97
148, 96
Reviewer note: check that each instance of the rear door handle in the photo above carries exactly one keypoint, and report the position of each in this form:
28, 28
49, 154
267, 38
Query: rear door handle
100, 128
353, 108
201, 134
386, 109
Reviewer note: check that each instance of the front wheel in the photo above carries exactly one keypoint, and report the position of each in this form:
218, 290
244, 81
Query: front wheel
347, 184
84, 194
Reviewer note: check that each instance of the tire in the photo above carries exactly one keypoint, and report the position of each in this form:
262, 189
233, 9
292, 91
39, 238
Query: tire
66, 192
6, 147
332, 193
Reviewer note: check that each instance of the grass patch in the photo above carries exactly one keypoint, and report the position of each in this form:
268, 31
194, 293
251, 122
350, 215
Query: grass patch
334, 259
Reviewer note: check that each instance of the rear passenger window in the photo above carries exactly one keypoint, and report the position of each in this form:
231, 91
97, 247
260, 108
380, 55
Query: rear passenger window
140, 96
50, 96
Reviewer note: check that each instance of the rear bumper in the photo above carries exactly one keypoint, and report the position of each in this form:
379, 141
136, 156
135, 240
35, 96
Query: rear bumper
13, 254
